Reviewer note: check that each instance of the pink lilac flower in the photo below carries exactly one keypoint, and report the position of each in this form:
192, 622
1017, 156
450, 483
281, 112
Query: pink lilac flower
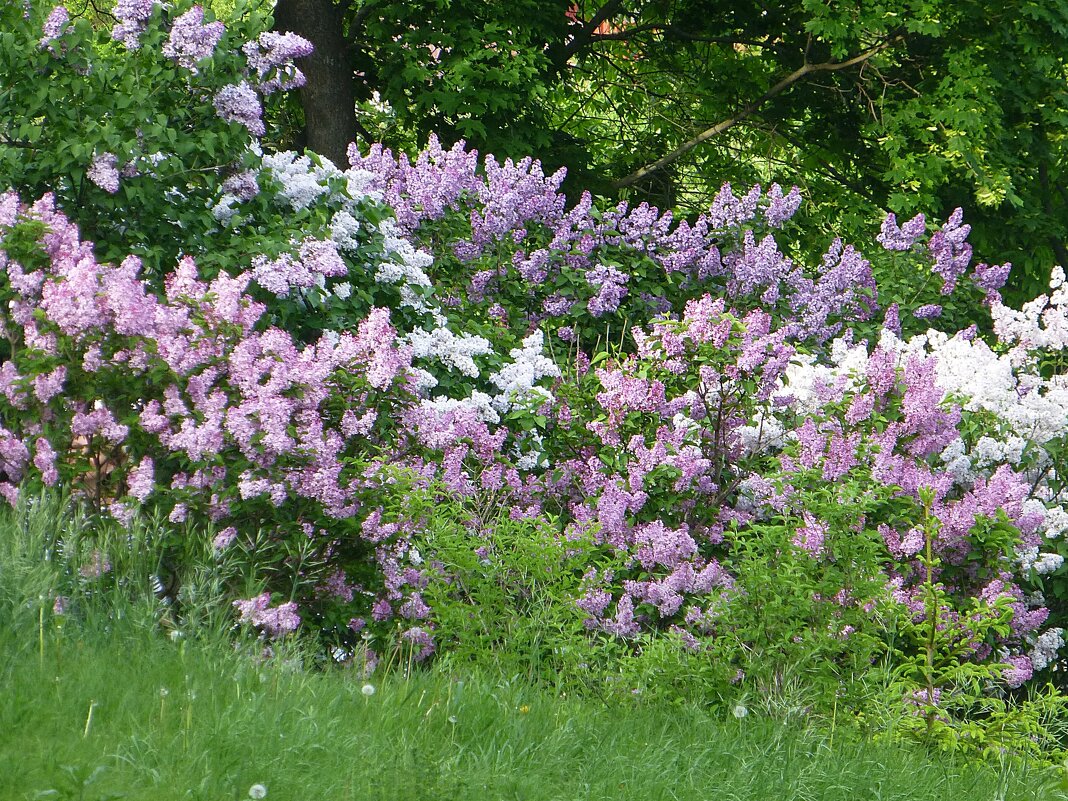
191, 40
141, 480
274, 622
104, 172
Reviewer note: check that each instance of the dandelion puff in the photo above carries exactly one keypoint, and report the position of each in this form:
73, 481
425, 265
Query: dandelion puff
257, 791
368, 690
739, 711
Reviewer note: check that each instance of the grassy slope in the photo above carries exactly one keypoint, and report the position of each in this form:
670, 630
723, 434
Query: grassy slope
227, 722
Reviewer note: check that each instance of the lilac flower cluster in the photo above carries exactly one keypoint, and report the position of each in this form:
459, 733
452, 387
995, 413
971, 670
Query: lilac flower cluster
271, 57
104, 172
191, 39
235, 419
239, 103
275, 621
133, 17
514, 208
54, 26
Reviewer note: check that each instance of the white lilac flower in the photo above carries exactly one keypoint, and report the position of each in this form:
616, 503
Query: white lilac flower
1056, 524
479, 402
343, 230
1045, 648
516, 380
452, 350
297, 175
1047, 563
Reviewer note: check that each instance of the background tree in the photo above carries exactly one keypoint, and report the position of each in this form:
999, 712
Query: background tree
908, 106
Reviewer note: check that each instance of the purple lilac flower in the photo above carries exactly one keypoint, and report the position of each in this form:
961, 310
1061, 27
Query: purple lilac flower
132, 16
44, 459
54, 25
781, 207
191, 40
274, 622
96, 567
893, 238
104, 172
611, 289
990, 278
242, 185
420, 638
1018, 672
730, 211
950, 250
276, 51
224, 538
928, 311
240, 103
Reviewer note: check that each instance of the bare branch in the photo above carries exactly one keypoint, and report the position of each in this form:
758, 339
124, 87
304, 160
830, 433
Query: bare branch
781, 86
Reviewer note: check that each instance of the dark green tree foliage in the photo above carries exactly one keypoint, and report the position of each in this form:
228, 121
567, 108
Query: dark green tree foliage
896, 105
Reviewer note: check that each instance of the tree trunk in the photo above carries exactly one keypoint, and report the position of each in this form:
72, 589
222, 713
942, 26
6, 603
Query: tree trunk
327, 96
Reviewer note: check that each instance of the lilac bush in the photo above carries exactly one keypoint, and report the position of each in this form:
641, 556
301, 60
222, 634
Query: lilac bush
722, 451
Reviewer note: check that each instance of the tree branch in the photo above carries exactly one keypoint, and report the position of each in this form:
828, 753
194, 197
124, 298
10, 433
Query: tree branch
563, 52
720, 127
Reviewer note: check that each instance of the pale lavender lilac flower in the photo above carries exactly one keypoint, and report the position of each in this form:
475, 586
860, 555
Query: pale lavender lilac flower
104, 172
132, 16
54, 25
239, 103
191, 39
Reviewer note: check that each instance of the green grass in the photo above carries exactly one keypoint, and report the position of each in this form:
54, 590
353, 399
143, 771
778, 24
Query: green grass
101, 703
186, 720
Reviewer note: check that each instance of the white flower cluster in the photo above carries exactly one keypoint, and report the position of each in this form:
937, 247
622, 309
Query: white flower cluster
1056, 524
302, 181
453, 351
516, 380
1041, 323
766, 433
1041, 563
1034, 409
343, 229
1045, 648
526, 460
804, 376
404, 266
480, 402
